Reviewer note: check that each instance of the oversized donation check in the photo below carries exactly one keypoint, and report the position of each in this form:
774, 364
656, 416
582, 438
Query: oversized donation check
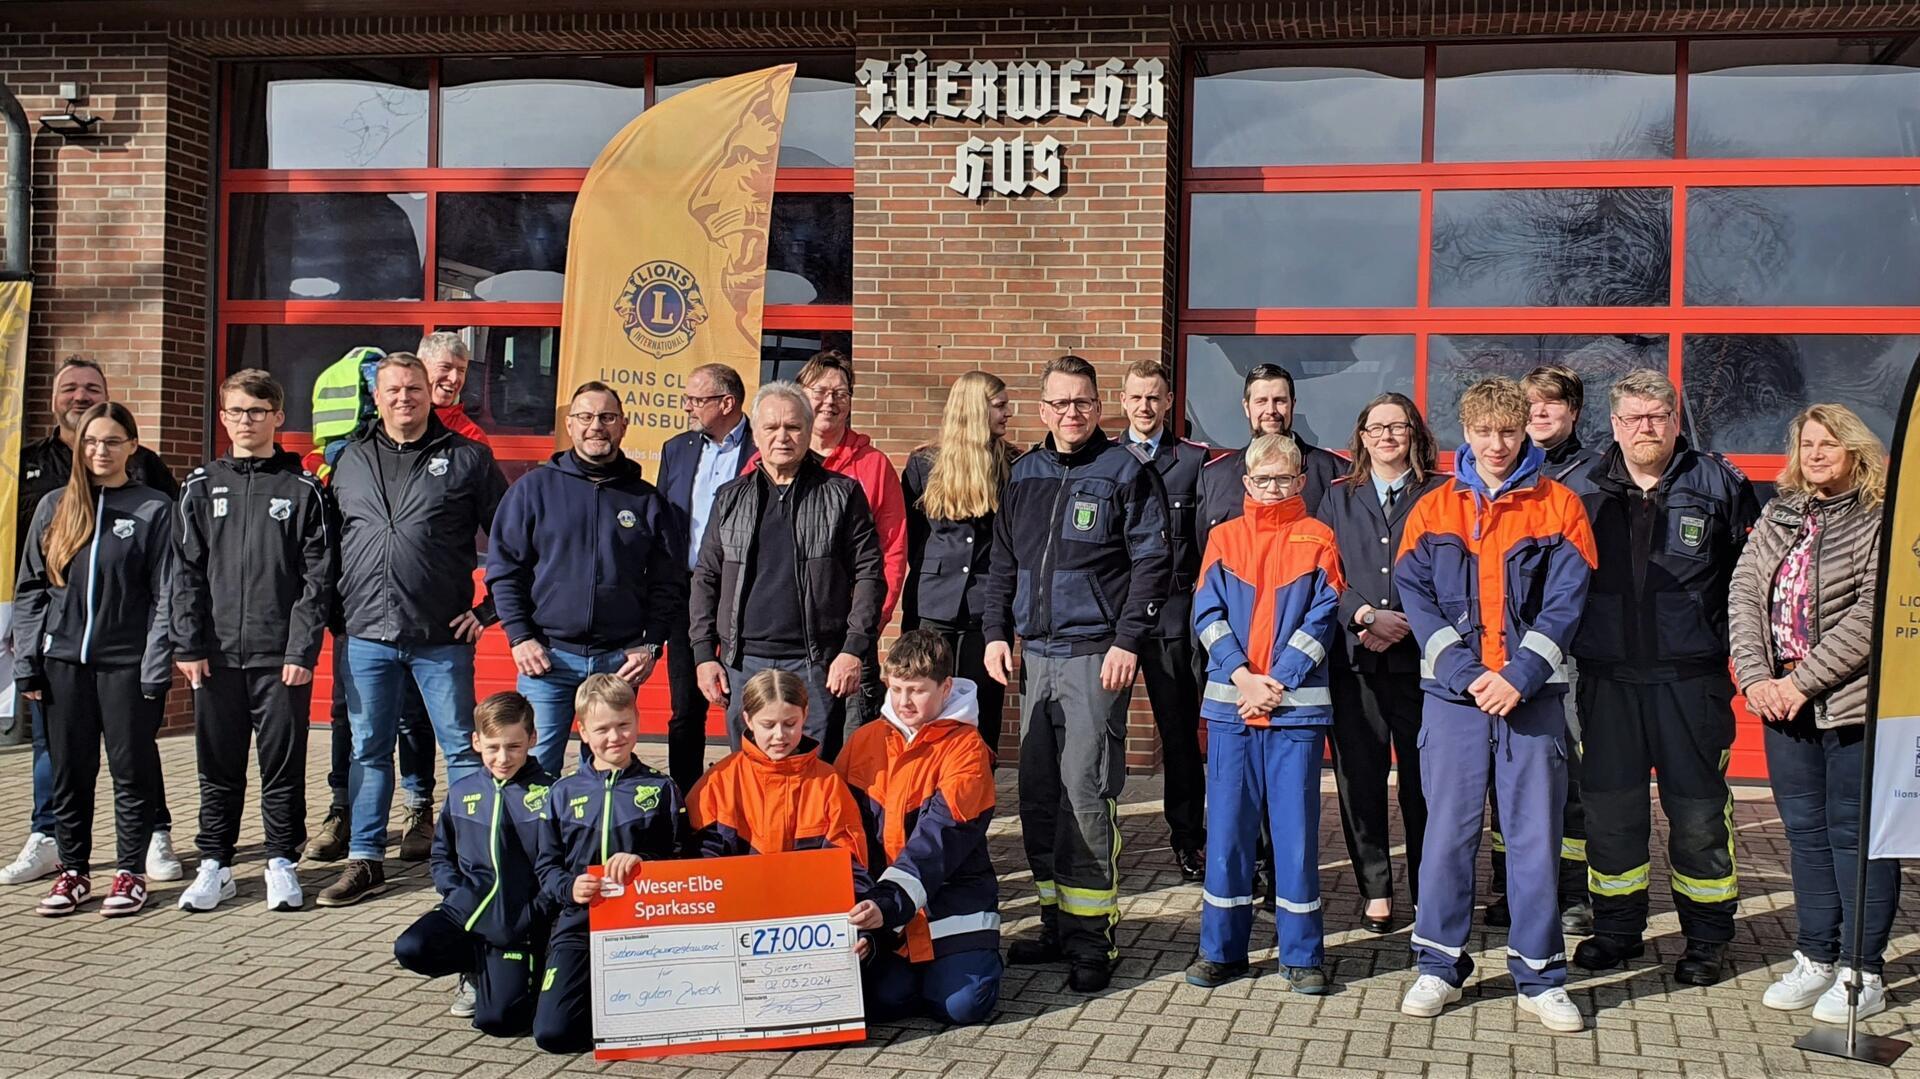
720, 954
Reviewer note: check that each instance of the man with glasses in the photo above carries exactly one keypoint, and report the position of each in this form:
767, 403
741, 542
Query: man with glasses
583, 567
1167, 658
1669, 523
45, 466
828, 380
692, 467
1268, 400
1080, 551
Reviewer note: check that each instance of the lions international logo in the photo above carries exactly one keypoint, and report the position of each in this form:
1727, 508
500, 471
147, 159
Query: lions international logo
280, 508
660, 308
647, 798
1693, 530
1085, 515
535, 799
437, 466
123, 527
627, 519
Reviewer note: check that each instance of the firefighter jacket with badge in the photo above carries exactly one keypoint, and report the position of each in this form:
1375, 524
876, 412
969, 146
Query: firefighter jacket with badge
1495, 580
1081, 560
112, 610
1269, 599
926, 797
751, 804
1658, 602
254, 564
593, 815
484, 852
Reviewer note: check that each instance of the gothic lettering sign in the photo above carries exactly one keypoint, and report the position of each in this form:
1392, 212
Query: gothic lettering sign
916, 92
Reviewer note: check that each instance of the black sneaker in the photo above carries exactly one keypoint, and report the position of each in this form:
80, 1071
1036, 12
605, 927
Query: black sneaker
1208, 974
1498, 915
1704, 964
1192, 862
361, 880
330, 842
1576, 918
1263, 884
1089, 975
416, 836
1033, 951
1602, 952
1309, 980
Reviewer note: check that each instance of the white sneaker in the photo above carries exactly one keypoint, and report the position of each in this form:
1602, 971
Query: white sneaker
39, 858
211, 886
1428, 996
161, 863
1832, 1005
1556, 1010
283, 886
464, 1000
1800, 987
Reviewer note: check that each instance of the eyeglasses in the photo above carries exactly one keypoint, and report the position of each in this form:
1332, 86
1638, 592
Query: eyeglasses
1651, 420
830, 395
1273, 483
588, 419
251, 415
693, 400
1382, 430
113, 444
1077, 405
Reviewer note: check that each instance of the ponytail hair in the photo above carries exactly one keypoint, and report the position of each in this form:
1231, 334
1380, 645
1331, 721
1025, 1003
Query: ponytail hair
72, 525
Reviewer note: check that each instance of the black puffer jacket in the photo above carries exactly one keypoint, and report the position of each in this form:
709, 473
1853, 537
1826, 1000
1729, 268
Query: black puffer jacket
406, 569
836, 552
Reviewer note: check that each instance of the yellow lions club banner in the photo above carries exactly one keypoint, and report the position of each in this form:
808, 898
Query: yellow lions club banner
14, 296
667, 257
1893, 705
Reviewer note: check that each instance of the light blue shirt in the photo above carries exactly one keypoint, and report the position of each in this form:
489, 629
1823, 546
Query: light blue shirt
719, 462
1150, 445
1380, 488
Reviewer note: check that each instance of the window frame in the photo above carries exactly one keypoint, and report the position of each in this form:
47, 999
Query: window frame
430, 312
1675, 320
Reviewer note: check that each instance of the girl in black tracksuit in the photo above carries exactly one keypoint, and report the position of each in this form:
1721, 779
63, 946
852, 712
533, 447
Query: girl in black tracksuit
93, 644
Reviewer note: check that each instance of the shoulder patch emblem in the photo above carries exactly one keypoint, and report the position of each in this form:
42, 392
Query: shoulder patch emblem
535, 799
280, 508
1086, 514
437, 466
627, 519
123, 527
1692, 530
647, 797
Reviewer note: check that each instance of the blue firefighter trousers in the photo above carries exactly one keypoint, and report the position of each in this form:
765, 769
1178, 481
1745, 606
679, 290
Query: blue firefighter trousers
1261, 775
1524, 758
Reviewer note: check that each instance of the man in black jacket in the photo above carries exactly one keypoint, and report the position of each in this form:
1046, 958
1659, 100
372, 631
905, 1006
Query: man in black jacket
1080, 552
796, 545
1166, 657
45, 466
1269, 402
253, 533
411, 496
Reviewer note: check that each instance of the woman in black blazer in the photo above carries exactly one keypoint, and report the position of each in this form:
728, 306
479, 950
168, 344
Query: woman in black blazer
1376, 674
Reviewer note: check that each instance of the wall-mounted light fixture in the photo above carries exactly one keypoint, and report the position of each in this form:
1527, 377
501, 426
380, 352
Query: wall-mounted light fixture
70, 123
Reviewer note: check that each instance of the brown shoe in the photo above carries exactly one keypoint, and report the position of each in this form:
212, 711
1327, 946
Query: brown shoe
361, 880
330, 843
416, 837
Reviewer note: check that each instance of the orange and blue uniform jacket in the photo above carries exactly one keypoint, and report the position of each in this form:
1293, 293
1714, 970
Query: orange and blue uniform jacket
1495, 580
1269, 594
926, 797
750, 804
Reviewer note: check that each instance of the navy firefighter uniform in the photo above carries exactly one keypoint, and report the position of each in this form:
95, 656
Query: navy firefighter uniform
1268, 601
1494, 580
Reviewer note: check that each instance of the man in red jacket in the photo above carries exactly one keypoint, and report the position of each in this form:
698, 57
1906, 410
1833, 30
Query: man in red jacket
828, 380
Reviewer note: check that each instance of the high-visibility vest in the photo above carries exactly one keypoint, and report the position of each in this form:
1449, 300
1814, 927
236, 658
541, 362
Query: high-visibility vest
343, 398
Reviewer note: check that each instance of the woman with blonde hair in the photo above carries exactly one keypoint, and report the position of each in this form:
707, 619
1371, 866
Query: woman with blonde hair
953, 487
1800, 612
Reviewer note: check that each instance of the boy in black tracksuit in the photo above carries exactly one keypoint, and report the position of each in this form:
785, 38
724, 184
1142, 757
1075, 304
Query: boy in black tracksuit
612, 813
491, 916
254, 572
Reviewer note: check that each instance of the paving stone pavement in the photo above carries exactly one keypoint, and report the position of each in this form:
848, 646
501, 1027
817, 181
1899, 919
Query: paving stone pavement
244, 992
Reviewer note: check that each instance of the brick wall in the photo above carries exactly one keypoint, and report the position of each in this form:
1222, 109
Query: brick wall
943, 285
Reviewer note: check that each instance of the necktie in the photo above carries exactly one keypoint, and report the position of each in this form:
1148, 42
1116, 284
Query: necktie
1393, 495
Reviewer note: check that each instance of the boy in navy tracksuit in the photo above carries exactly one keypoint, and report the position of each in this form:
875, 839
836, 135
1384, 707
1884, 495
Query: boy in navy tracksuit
613, 813
491, 916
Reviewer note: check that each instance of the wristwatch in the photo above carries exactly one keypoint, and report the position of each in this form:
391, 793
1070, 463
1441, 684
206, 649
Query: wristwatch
1367, 619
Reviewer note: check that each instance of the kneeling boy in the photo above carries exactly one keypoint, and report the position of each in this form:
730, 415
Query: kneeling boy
612, 813
491, 918
924, 784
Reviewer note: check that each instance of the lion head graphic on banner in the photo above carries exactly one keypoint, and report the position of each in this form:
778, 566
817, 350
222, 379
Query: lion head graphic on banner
726, 206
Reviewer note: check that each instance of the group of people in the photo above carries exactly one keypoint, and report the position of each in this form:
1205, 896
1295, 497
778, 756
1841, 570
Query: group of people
1544, 626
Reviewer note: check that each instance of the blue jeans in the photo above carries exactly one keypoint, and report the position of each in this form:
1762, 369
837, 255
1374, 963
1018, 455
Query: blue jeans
42, 768
415, 741
375, 674
1816, 787
551, 695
